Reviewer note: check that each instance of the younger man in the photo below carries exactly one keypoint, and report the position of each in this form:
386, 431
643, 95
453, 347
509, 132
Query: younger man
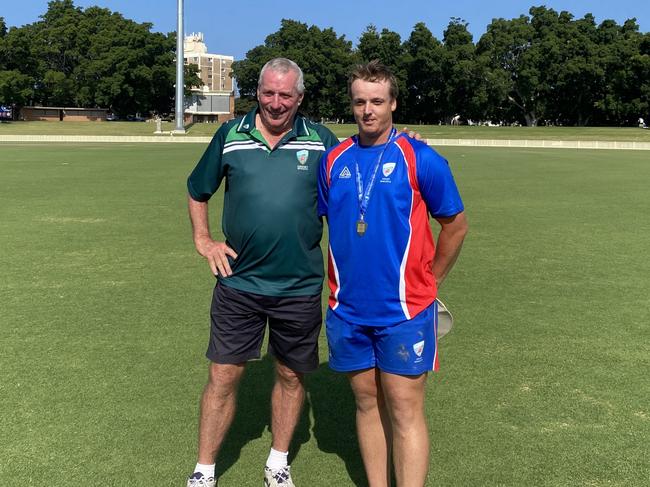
377, 190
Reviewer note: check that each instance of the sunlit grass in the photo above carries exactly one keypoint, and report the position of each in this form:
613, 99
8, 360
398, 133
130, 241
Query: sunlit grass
342, 130
104, 322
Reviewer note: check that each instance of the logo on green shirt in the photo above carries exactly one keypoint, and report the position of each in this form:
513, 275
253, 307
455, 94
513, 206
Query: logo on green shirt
302, 156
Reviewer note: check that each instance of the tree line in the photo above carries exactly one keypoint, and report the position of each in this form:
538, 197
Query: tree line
542, 68
546, 67
88, 58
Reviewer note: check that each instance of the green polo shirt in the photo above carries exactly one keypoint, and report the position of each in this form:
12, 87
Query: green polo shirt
269, 211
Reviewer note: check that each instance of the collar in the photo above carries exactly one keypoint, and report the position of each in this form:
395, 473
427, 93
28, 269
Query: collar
393, 136
299, 129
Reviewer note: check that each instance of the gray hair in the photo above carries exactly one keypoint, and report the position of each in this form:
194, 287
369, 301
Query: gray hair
283, 65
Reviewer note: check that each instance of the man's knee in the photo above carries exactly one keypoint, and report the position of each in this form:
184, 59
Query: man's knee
287, 378
366, 403
223, 379
367, 395
405, 399
406, 413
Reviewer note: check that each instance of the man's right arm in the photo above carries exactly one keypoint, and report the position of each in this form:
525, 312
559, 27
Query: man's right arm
216, 253
201, 185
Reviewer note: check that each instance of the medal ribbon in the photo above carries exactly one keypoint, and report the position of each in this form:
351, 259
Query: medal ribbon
364, 196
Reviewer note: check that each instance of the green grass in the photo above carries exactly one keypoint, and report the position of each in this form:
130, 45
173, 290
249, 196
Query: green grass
85, 128
342, 130
515, 133
104, 322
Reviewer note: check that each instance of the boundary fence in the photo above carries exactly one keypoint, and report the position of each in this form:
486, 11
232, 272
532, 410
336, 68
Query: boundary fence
536, 144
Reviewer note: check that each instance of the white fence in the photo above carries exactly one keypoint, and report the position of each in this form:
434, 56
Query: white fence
536, 144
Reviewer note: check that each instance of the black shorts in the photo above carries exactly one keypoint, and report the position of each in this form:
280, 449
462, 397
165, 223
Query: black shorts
239, 322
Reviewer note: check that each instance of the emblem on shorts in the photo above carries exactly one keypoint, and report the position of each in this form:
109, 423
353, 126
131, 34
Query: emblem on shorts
302, 156
418, 348
345, 173
388, 168
403, 353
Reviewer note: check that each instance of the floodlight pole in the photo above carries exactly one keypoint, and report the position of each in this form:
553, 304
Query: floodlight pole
180, 61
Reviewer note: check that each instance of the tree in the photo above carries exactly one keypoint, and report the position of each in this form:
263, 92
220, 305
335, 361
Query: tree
387, 47
243, 106
3, 34
94, 57
17, 50
575, 72
571, 73
555, 69
464, 91
513, 60
425, 81
16, 80
324, 58
126, 67
544, 67
15, 88
626, 83
56, 40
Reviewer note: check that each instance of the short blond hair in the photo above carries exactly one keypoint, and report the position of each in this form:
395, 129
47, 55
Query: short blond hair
374, 71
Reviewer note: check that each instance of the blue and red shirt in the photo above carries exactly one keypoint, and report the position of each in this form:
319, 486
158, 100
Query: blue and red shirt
385, 276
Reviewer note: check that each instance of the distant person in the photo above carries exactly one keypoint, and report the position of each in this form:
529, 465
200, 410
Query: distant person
641, 123
270, 266
377, 190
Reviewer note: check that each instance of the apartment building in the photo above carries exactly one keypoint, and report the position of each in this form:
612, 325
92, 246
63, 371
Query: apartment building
214, 101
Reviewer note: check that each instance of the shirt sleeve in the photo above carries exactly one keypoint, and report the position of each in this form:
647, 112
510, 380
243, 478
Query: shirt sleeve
327, 137
437, 185
206, 177
323, 187
331, 141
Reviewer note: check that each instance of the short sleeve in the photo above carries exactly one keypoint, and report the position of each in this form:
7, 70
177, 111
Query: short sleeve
206, 177
437, 185
330, 140
323, 186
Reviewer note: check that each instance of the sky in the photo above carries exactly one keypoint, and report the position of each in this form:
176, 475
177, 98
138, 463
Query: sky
233, 28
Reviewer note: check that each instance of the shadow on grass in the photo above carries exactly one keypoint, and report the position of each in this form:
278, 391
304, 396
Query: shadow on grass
330, 399
253, 414
334, 428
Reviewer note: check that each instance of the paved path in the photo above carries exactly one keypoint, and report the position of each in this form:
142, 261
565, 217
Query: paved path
164, 139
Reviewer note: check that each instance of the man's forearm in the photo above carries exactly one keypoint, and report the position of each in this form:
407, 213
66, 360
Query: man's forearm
450, 242
198, 211
216, 253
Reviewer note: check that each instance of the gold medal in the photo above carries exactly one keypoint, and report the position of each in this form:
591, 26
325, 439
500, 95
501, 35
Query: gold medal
364, 196
361, 228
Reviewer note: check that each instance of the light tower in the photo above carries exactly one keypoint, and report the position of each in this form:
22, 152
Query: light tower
180, 108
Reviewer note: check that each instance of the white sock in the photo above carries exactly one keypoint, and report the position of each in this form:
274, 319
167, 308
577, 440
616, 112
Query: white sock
277, 459
206, 470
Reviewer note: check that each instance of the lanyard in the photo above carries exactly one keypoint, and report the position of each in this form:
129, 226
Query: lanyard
364, 196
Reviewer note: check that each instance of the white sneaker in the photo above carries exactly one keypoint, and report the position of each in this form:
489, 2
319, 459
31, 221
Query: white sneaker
198, 480
278, 478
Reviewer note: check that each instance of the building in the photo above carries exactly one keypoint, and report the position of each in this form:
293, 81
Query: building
63, 114
214, 101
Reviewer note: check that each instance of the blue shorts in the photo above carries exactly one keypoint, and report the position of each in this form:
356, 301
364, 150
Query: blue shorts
405, 348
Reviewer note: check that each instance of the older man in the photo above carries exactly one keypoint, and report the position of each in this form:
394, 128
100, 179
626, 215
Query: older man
377, 190
270, 266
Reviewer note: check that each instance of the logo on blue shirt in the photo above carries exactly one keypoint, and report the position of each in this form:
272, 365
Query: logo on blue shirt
388, 169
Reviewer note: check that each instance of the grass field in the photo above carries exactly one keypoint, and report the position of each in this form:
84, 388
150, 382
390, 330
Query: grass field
342, 130
104, 322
